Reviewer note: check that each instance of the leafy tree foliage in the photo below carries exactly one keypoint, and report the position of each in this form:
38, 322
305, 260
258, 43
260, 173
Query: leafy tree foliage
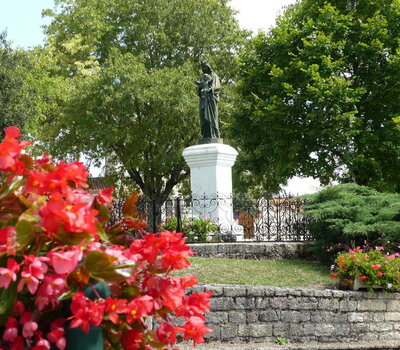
17, 95
349, 215
320, 95
124, 72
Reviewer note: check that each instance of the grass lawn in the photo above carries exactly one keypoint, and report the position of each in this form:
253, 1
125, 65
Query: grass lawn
284, 273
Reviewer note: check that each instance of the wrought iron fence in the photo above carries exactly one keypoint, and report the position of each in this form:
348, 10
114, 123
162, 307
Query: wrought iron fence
274, 219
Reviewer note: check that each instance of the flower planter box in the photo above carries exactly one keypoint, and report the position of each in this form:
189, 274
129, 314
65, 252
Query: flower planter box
360, 285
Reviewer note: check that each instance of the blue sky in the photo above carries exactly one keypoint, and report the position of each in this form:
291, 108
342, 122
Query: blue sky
23, 20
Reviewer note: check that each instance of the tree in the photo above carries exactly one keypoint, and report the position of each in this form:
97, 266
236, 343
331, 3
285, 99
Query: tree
125, 73
320, 95
17, 96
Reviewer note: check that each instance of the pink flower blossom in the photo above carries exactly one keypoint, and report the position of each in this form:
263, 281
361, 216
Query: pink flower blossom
11, 332
65, 262
52, 287
34, 271
56, 334
29, 327
43, 344
8, 274
61, 343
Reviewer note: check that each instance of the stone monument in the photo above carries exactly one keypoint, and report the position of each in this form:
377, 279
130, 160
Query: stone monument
211, 161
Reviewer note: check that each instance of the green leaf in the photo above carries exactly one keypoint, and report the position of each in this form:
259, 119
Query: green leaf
7, 300
72, 238
67, 295
8, 188
102, 266
104, 212
25, 233
102, 232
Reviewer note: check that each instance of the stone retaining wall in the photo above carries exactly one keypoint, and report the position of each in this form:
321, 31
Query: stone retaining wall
257, 251
241, 314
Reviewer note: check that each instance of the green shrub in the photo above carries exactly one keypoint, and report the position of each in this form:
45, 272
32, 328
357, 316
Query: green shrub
349, 215
195, 229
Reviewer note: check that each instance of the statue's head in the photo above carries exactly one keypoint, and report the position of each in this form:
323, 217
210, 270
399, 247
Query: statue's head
205, 66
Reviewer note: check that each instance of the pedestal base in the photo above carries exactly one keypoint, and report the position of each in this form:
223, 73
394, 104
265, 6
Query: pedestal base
211, 180
207, 140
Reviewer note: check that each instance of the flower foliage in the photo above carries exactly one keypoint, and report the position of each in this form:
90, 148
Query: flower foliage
194, 229
374, 268
54, 242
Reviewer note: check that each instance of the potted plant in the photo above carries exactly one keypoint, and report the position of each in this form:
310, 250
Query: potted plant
68, 281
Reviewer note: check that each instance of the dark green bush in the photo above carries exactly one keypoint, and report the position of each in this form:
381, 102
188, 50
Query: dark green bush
347, 216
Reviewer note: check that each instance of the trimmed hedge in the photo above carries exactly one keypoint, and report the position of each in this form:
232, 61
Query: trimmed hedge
347, 216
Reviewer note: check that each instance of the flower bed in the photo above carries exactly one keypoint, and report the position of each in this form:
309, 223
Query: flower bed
373, 268
62, 268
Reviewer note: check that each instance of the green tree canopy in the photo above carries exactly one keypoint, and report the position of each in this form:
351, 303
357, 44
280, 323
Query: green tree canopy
17, 95
124, 72
320, 95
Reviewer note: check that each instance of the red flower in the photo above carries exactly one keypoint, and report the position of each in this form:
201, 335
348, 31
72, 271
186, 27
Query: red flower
171, 292
132, 339
340, 263
105, 195
363, 278
194, 329
72, 217
139, 307
86, 312
17, 344
380, 274
60, 178
333, 275
10, 149
195, 304
166, 334
8, 240
114, 307
175, 255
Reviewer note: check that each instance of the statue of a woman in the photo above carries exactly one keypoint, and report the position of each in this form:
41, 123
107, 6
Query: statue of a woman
208, 87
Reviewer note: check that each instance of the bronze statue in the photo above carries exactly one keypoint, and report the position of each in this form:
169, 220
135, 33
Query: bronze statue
208, 87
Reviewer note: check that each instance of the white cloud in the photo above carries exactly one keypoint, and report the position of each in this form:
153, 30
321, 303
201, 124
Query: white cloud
258, 14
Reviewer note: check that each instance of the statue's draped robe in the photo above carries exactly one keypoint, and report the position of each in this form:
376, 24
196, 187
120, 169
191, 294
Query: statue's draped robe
209, 109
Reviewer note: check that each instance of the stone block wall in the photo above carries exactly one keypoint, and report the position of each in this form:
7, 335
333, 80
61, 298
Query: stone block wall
255, 251
241, 314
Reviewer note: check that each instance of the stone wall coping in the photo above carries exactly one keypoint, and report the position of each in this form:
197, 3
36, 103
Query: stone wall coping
249, 290
249, 243
308, 346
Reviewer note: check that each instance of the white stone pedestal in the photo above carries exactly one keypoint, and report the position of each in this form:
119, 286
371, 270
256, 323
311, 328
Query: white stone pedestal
211, 182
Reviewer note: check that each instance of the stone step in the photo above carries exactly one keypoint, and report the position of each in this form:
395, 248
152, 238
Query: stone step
310, 346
